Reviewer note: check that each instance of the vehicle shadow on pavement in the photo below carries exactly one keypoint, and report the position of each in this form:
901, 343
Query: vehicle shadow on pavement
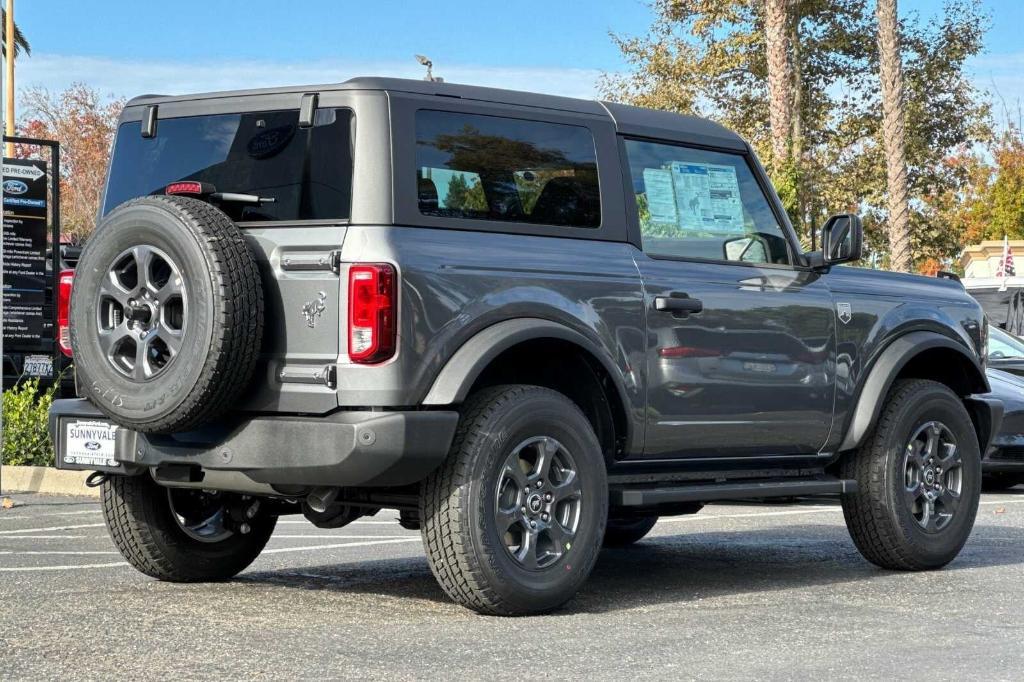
672, 568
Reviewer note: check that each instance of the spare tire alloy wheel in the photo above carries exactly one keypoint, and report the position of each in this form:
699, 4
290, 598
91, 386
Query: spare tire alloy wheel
933, 475
538, 502
142, 306
166, 314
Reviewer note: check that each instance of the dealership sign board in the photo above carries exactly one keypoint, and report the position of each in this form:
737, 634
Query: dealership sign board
25, 321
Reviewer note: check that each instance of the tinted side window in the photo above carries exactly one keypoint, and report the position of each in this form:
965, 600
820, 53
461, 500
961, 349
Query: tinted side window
506, 169
695, 203
308, 171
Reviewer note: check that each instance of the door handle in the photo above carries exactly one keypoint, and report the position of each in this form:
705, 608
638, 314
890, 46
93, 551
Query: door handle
672, 304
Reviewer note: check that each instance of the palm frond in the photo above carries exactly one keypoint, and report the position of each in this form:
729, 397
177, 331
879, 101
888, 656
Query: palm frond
20, 41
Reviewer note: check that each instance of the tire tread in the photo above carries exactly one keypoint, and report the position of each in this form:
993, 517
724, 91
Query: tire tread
132, 510
869, 518
445, 520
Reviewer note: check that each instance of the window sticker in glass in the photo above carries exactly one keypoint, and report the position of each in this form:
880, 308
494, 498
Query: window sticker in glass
661, 196
697, 203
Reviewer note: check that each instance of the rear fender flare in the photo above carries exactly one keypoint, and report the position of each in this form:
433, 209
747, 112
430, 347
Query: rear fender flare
457, 377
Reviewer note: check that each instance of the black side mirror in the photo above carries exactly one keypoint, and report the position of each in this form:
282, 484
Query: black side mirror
842, 239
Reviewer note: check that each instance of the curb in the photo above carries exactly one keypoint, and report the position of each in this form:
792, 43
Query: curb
45, 480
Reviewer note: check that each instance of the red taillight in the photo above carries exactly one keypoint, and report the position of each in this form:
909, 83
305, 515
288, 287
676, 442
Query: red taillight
372, 307
64, 282
185, 187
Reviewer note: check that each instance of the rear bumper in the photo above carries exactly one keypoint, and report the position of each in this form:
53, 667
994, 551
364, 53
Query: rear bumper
345, 449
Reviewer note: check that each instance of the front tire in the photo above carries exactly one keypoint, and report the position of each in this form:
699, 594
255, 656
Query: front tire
190, 544
918, 480
513, 520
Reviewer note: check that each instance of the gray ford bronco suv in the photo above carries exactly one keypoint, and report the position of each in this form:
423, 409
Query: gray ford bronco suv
530, 324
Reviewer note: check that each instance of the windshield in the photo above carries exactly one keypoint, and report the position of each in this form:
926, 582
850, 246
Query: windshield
1003, 345
308, 171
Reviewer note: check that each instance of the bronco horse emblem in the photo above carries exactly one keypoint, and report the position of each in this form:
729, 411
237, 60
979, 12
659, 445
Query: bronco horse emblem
311, 310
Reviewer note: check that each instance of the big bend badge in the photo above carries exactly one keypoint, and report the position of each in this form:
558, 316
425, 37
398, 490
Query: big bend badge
845, 312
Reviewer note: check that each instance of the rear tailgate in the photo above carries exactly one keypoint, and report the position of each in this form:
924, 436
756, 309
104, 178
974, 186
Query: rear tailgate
303, 313
257, 145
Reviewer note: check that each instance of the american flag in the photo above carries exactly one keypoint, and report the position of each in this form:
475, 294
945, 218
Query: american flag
1006, 268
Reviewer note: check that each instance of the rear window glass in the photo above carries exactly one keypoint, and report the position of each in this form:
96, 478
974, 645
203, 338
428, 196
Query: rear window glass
308, 171
506, 169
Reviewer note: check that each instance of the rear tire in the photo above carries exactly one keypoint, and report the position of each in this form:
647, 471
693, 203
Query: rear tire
145, 530
623, 531
523, 457
919, 480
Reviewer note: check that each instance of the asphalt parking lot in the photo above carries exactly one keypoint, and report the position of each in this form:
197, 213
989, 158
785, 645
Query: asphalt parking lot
735, 592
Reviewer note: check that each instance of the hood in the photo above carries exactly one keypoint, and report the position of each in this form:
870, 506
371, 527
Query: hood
883, 282
1004, 381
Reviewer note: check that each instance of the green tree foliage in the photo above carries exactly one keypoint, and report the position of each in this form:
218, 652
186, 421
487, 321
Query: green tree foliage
25, 436
464, 195
708, 57
1005, 197
484, 154
987, 199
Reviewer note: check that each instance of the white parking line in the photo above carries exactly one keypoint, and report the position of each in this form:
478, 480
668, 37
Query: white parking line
281, 550
709, 517
16, 517
23, 569
370, 540
304, 522
40, 533
322, 536
791, 512
52, 537
22, 531
35, 552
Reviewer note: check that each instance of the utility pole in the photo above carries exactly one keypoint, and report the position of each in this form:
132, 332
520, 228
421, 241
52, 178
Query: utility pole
4, 114
9, 46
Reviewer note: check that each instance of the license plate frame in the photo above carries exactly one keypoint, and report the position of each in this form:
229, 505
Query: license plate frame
90, 444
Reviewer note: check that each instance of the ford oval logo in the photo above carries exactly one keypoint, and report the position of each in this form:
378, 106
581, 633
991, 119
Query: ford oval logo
15, 187
92, 445
267, 143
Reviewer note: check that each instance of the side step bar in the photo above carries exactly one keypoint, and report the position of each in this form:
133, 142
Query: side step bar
708, 492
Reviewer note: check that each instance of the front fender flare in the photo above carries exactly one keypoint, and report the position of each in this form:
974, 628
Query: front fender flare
884, 372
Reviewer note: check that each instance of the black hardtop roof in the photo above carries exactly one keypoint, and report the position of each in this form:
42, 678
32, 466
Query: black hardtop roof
628, 119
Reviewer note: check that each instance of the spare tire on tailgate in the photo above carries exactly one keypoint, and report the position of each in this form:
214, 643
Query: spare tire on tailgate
166, 314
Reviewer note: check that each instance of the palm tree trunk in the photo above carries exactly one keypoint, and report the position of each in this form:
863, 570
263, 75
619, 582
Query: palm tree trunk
780, 80
894, 135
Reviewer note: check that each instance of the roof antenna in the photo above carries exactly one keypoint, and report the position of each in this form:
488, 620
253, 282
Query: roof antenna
430, 77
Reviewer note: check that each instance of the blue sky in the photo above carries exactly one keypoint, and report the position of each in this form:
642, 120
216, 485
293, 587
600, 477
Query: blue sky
128, 47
